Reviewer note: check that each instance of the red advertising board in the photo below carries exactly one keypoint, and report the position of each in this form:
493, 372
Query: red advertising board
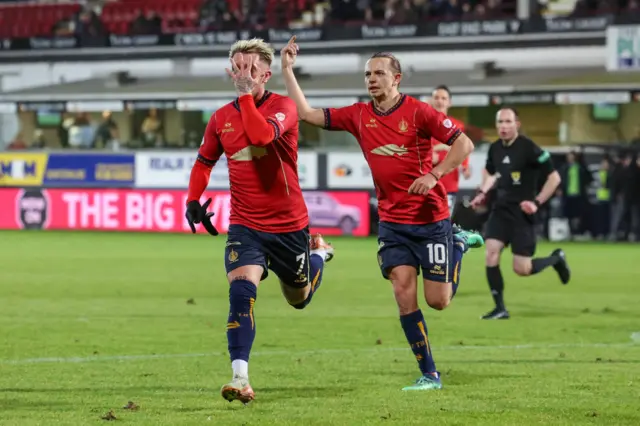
332, 213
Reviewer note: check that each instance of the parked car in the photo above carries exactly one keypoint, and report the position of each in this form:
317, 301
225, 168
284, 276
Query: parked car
326, 212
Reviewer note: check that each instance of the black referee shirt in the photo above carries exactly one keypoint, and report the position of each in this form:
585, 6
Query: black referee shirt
519, 166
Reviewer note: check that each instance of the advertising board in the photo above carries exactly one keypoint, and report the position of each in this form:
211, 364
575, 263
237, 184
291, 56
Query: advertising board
331, 213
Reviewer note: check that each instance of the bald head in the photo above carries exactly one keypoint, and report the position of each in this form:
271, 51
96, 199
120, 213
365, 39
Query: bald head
507, 124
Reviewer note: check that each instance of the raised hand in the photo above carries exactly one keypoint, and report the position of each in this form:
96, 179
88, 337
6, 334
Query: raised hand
288, 53
242, 74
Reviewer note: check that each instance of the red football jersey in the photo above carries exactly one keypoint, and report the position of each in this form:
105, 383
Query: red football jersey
397, 145
263, 176
451, 180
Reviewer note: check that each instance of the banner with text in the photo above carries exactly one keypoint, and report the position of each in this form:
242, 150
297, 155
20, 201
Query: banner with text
349, 170
466, 28
332, 213
96, 170
171, 169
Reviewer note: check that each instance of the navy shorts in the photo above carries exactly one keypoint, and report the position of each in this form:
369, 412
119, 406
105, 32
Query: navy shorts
286, 254
427, 247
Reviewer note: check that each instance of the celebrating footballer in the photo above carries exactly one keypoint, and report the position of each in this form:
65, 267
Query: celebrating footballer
258, 133
395, 134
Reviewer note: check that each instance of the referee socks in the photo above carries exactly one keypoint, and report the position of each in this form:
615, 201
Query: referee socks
542, 263
496, 284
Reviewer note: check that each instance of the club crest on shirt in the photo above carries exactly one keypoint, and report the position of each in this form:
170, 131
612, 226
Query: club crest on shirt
390, 149
515, 178
249, 152
403, 126
371, 123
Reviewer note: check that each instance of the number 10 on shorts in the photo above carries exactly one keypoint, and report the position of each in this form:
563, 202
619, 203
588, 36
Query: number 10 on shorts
437, 253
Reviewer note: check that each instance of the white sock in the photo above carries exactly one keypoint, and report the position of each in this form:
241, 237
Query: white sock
320, 252
240, 368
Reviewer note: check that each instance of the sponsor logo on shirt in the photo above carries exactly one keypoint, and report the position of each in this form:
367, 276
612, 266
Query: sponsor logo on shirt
249, 152
390, 149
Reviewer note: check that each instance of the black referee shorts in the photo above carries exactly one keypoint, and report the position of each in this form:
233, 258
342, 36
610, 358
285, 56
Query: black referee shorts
514, 228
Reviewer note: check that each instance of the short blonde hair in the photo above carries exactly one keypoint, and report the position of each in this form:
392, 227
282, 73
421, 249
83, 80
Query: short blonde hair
254, 45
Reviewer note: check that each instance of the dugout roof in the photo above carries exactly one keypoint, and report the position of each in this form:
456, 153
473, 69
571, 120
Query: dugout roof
339, 84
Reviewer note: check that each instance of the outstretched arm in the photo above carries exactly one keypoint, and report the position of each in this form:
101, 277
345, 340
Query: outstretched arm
313, 116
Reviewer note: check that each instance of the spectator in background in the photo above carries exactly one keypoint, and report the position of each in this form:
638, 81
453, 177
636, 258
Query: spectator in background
147, 24
253, 12
39, 141
575, 182
150, 128
602, 216
107, 132
629, 226
635, 142
18, 143
89, 28
211, 13
617, 196
81, 132
348, 10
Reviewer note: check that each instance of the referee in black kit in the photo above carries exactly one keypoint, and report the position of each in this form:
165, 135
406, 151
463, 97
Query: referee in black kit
516, 163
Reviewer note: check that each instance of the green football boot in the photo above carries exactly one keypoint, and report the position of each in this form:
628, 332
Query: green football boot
426, 382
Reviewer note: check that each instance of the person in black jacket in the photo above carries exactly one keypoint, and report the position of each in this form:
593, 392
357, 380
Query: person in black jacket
630, 179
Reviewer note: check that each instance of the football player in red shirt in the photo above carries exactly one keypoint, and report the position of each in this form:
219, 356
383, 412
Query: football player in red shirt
394, 132
441, 102
258, 133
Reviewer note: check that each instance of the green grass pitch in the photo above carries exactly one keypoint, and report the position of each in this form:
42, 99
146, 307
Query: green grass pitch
91, 321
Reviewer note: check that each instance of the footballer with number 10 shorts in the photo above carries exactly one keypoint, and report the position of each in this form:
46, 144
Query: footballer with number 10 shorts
394, 131
258, 133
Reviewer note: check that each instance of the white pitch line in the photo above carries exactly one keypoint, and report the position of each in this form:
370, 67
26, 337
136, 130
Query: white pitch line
76, 360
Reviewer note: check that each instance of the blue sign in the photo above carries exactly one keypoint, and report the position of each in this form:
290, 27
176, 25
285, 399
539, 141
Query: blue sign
90, 170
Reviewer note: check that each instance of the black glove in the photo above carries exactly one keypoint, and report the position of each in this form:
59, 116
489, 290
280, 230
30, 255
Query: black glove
197, 213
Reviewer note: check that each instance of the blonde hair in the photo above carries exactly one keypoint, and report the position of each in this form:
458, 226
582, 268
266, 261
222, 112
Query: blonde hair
254, 45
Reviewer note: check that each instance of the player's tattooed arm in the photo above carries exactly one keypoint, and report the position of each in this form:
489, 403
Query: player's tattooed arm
241, 73
244, 85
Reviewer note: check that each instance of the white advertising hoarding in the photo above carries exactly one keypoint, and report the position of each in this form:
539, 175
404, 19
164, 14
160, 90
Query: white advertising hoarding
171, 169
350, 170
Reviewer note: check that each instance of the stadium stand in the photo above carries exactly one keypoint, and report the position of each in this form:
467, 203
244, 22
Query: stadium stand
21, 19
